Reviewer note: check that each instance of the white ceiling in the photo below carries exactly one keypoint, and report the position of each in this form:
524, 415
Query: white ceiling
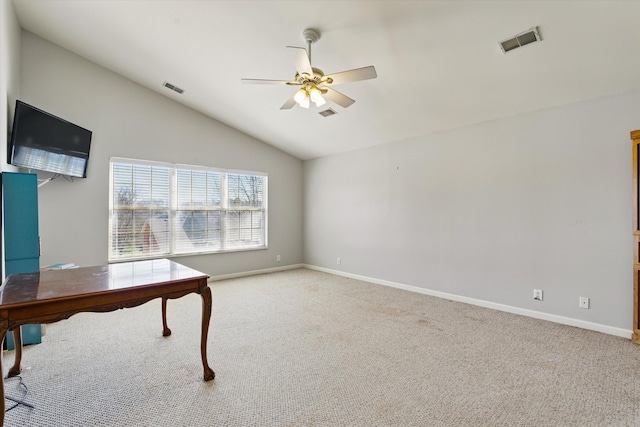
438, 62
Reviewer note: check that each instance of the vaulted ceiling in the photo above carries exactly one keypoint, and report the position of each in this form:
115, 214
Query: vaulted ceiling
439, 64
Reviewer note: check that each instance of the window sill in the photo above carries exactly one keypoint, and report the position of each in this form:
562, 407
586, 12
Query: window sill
185, 254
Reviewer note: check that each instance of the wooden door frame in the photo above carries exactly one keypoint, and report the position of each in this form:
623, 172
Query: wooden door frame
635, 139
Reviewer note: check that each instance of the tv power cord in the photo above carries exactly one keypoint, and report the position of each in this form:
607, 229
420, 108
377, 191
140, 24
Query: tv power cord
21, 401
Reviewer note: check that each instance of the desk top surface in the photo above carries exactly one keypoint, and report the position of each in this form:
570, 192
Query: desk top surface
26, 288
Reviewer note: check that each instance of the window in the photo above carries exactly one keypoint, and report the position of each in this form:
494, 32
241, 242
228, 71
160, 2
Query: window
160, 209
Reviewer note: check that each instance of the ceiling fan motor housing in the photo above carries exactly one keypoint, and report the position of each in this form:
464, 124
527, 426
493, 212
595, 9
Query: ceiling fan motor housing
316, 78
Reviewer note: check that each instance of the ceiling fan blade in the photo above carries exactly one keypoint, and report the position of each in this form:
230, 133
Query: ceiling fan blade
267, 82
302, 61
289, 102
364, 73
333, 95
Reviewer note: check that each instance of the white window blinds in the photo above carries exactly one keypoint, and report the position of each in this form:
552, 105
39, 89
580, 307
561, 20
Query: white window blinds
159, 209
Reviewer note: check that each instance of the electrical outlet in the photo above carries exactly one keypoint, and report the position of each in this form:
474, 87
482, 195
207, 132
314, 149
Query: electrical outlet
584, 302
277, 257
537, 294
339, 261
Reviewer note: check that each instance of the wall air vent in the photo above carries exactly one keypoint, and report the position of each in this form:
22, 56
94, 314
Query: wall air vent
527, 37
172, 87
328, 112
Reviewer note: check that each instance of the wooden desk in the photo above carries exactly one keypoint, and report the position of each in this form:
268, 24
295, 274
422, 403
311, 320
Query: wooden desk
50, 296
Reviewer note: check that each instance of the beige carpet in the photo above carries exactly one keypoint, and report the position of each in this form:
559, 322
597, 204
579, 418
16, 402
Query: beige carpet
304, 348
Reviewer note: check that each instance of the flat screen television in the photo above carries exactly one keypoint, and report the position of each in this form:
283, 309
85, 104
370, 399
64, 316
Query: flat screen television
44, 142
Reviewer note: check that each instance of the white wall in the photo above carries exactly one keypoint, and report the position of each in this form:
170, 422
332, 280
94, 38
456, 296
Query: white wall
9, 74
129, 120
490, 212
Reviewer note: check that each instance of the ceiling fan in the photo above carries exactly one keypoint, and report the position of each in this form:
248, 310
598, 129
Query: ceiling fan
314, 85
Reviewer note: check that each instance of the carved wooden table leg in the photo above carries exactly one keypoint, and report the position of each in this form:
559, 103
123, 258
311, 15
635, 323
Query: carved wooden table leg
165, 329
17, 342
206, 318
3, 331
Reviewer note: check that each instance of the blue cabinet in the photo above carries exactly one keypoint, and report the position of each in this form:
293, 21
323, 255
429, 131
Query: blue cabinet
21, 235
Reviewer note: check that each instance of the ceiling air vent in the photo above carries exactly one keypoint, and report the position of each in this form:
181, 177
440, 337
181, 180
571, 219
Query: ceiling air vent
527, 37
172, 87
328, 112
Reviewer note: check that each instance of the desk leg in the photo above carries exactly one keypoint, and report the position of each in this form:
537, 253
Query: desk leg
165, 329
3, 333
206, 318
17, 342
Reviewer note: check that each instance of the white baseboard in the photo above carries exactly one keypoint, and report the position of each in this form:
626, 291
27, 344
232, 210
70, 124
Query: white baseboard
611, 330
255, 272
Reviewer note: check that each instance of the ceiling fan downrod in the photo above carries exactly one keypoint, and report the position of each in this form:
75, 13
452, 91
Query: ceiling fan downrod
310, 36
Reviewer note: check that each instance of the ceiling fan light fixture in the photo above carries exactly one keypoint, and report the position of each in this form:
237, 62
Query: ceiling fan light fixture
300, 95
302, 98
320, 101
316, 97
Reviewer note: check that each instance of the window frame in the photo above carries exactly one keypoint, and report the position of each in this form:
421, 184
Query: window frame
174, 210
